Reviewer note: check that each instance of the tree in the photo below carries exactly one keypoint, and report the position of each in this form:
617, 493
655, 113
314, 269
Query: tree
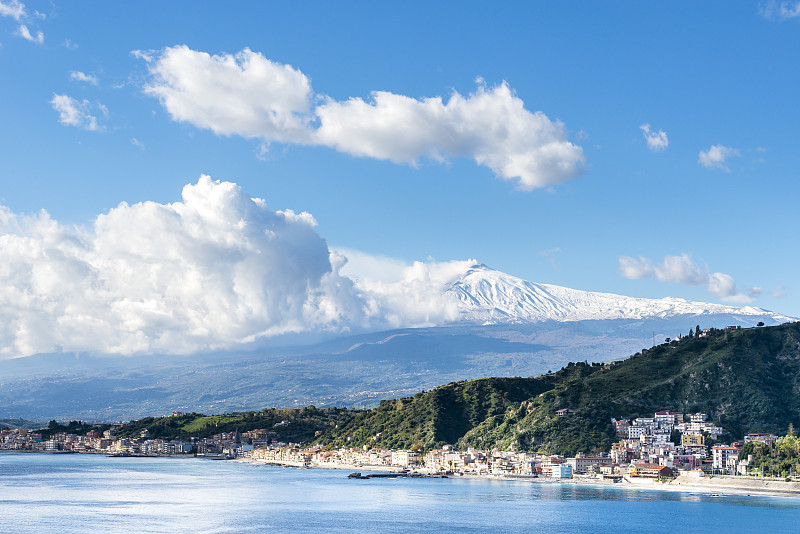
760, 323
697, 330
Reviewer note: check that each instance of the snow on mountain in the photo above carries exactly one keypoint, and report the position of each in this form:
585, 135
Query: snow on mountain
488, 296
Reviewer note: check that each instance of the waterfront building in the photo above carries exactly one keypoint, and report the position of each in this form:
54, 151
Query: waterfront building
721, 456
581, 463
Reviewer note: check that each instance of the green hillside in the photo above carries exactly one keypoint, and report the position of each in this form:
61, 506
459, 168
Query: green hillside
747, 380
298, 425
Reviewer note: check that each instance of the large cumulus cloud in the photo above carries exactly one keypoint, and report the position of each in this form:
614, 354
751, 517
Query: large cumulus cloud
248, 95
216, 270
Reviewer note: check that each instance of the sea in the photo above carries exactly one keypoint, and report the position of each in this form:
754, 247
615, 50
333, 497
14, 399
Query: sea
92, 493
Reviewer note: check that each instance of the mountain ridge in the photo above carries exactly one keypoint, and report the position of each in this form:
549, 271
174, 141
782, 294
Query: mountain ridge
488, 296
747, 380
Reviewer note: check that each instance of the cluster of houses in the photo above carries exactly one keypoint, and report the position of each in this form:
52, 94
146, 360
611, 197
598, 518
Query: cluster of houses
444, 460
658, 446
223, 445
679, 442
647, 448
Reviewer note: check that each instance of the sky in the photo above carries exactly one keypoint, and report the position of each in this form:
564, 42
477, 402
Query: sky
644, 149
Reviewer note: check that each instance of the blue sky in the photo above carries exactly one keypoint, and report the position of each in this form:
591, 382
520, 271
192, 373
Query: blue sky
717, 196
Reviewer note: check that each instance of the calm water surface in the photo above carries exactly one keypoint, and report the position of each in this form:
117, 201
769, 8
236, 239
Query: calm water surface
81, 493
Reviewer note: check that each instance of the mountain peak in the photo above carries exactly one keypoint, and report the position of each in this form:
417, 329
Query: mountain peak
485, 295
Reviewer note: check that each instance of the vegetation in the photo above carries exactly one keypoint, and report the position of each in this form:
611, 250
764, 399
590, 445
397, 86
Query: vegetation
288, 424
19, 423
436, 417
781, 458
747, 380
73, 427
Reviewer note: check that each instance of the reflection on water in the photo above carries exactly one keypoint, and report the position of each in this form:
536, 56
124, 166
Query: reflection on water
78, 493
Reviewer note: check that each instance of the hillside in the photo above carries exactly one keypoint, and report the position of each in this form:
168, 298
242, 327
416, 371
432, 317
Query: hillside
747, 380
286, 424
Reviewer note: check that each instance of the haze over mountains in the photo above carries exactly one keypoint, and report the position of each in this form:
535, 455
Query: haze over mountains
491, 324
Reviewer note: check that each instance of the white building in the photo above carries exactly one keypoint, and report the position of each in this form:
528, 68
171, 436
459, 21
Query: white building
721, 455
636, 431
561, 471
405, 458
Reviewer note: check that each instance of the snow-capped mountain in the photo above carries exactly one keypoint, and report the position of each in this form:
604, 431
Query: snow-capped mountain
487, 296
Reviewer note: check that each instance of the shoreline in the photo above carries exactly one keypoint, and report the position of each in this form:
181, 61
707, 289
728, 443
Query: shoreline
711, 486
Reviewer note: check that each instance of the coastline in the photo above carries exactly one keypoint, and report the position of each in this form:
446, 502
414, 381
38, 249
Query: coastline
744, 486
712, 486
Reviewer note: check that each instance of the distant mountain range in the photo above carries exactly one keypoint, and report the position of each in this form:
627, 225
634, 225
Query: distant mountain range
506, 326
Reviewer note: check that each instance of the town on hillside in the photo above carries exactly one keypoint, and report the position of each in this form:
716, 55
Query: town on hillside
665, 445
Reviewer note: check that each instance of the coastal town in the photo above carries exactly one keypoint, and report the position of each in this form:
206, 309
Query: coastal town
666, 445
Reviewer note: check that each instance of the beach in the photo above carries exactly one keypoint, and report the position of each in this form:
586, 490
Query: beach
729, 485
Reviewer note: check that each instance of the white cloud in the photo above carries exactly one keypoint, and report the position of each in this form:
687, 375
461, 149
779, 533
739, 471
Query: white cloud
244, 94
13, 9
780, 10
248, 95
78, 113
682, 270
490, 126
373, 267
411, 296
138, 144
216, 269
656, 141
397, 294
25, 33
79, 76
716, 156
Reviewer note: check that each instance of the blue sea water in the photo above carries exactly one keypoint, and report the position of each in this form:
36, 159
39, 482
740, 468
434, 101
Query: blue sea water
83, 493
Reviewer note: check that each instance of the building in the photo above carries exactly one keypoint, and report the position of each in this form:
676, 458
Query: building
621, 427
405, 458
550, 463
762, 438
721, 455
621, 453
561, 471
668, 418
692, 440
649, 471
581, 464
636, 431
